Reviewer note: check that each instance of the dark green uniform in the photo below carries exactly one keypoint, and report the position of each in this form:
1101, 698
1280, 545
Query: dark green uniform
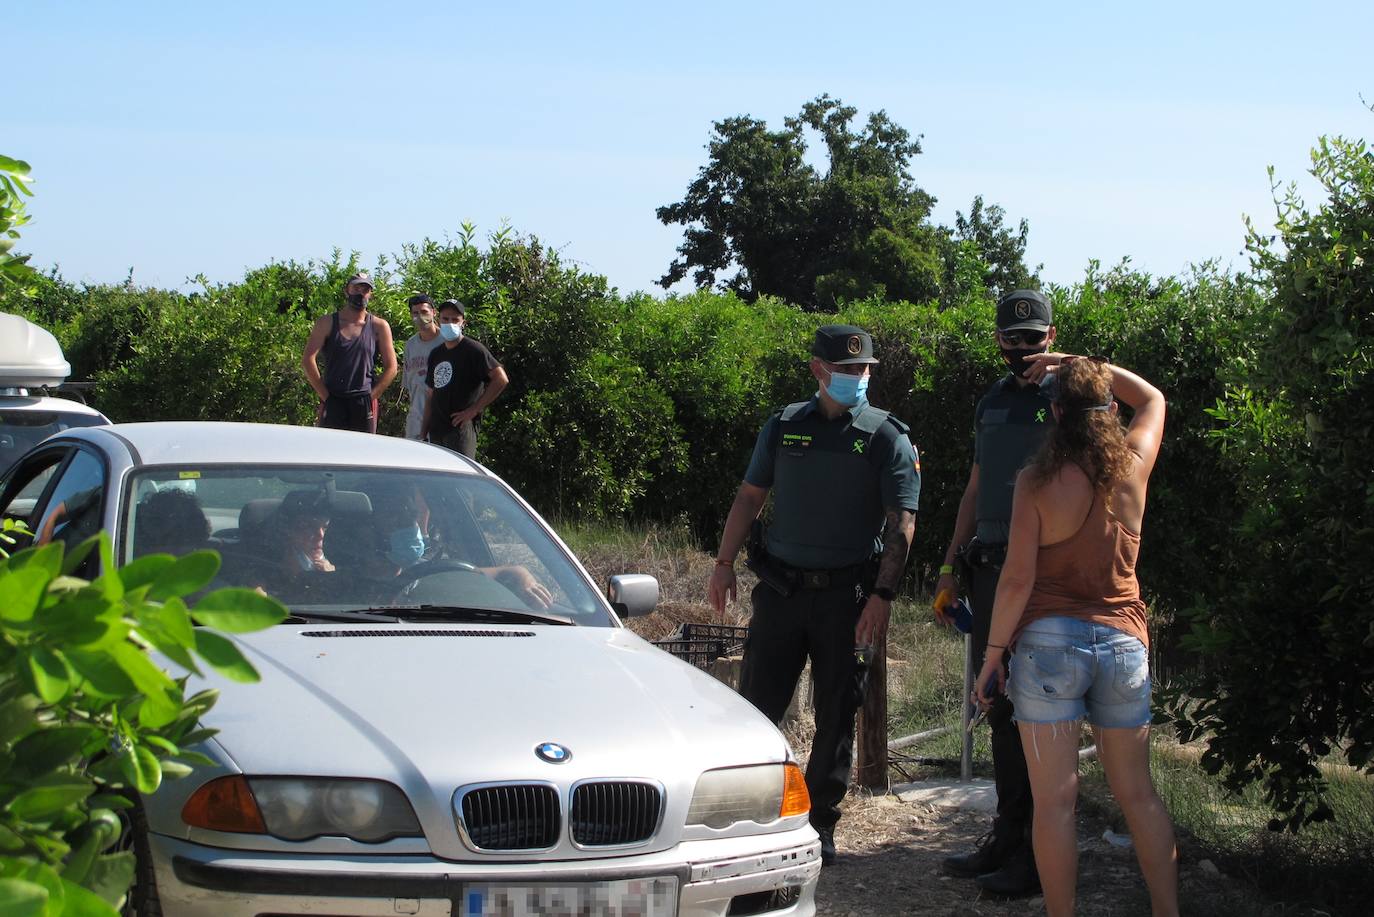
832, 482
1010, 423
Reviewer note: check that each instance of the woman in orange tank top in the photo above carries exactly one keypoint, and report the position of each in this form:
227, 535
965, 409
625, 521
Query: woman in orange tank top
1068, 605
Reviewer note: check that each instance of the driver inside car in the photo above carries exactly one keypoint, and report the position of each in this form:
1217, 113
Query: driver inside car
403, 545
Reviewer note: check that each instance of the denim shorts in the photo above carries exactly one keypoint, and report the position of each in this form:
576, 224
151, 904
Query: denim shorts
1066, 668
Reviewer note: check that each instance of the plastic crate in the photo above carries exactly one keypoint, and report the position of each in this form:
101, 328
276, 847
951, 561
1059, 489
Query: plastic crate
731, 634
700, 652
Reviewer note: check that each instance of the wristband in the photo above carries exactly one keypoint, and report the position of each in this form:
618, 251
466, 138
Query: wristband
997, 646
886, 593
725, 563
946, 569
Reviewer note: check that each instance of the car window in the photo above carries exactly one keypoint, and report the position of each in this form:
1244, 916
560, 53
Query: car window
73, 509
25, 487
20, 431
369, 538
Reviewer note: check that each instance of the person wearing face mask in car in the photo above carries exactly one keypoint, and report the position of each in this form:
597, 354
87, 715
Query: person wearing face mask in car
351, 340
417, 350
1010, 423
463, 380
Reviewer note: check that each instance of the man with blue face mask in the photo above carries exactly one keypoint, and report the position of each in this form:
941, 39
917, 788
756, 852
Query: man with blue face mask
845, 481
463, 379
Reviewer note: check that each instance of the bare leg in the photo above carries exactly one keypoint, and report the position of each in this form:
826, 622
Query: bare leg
1125, 755
1052, 760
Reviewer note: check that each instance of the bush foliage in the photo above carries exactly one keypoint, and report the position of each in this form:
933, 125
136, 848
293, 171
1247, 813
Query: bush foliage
87, 719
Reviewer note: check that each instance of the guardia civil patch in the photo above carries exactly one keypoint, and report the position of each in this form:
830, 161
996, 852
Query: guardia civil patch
796, 440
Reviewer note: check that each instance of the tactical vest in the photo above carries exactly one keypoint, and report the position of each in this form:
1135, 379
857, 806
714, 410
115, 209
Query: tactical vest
827, 495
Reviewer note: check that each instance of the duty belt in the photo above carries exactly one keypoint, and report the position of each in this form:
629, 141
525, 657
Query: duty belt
824, 579
985, 555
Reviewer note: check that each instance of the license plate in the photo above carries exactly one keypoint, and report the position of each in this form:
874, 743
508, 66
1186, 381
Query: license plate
653, 897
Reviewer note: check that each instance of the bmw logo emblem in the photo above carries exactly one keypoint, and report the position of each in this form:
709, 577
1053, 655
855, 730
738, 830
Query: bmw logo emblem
553, 753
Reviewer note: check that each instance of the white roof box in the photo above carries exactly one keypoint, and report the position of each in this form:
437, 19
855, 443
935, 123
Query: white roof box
29, 355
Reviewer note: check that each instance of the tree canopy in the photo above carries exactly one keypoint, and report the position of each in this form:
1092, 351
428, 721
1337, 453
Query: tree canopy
757, 207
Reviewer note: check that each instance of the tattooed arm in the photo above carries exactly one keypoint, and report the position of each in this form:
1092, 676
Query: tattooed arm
897, 535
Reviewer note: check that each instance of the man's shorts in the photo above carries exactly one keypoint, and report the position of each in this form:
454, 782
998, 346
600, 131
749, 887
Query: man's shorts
350, 412
1065, 668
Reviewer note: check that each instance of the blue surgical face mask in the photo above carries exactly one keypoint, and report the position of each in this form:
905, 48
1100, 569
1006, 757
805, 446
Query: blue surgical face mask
450, 331
846, 389
406, 547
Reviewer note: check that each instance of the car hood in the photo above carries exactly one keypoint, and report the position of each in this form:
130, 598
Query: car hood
452, 705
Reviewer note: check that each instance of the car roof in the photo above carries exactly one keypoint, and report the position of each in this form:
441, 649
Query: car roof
220, 443
44, 403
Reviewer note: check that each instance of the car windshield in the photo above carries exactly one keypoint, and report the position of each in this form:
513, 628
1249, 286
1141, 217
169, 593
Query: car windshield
20, 431
370, 540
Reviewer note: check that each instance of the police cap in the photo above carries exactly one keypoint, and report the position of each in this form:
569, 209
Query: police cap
1024, 309
842, 344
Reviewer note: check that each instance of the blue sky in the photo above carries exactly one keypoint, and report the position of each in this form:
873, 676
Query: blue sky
185, 138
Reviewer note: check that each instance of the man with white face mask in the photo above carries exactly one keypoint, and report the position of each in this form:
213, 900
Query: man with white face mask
418, 347
845, 481
463, 379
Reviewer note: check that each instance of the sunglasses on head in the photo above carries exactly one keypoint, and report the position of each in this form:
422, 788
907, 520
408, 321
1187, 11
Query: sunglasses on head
1023, 337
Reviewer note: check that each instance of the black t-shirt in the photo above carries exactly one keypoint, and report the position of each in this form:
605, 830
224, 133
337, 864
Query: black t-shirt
458, 376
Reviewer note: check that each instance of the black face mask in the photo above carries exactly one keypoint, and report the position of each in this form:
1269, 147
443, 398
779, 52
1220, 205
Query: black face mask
1016, 358
357, 300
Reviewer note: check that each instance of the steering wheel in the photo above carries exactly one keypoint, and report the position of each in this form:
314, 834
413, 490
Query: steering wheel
411, 576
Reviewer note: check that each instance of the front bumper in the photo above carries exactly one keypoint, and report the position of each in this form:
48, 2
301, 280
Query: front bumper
194, 880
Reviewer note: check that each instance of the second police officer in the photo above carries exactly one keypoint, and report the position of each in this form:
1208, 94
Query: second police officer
845, 481
1010, 422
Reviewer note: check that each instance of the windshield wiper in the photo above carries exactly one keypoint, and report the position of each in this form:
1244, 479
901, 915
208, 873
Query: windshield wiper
466, 613
354, 614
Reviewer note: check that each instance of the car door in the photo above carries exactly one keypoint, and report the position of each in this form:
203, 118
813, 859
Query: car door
59, 495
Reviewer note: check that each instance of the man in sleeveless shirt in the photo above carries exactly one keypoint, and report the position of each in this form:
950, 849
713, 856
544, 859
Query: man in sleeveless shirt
845, 482
350, 339
1010, 423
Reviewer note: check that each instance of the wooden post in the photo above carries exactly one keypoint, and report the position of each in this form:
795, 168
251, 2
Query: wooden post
872, 741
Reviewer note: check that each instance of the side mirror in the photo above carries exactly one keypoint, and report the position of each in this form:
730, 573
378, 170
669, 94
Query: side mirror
632, 594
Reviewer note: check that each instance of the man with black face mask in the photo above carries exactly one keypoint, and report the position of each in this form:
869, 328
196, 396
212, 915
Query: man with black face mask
351, 340
1010, 422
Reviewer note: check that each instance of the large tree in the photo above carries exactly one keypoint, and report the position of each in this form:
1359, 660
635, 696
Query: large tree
757, 208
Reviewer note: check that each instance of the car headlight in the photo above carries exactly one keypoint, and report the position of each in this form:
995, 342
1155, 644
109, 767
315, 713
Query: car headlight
301, 808
760, 793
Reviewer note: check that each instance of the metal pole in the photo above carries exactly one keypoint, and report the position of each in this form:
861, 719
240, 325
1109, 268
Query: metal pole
966, 755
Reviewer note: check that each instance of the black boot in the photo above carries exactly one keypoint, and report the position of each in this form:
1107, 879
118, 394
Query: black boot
992, 851
827, 846
1016, 878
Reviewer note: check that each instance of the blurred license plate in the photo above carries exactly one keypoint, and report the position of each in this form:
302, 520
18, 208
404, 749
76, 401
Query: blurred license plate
655, 897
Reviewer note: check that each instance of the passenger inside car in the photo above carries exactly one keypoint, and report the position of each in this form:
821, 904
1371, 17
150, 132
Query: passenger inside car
170, 521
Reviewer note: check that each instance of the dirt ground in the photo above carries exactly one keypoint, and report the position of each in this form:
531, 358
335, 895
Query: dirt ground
889, 865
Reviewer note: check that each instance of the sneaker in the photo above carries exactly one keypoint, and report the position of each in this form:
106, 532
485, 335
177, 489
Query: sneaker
1016, 879
992, 851
827, 846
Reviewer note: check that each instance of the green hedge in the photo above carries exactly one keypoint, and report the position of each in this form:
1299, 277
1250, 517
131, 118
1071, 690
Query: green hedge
648, 406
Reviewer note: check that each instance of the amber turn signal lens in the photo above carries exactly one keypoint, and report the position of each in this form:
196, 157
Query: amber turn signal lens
795, 799
225, 804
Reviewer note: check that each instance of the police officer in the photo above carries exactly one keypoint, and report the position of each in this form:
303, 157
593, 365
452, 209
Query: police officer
845, 482
1009, 424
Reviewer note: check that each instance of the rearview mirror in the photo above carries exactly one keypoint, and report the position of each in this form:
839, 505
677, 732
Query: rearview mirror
632, 594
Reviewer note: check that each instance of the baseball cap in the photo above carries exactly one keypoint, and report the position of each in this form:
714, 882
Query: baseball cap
360, 277
1024, 309
455, 304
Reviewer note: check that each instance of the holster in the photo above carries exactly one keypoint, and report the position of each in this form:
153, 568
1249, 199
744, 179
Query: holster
757, 560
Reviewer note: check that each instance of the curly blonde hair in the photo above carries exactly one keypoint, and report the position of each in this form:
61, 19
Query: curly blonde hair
1086, 435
